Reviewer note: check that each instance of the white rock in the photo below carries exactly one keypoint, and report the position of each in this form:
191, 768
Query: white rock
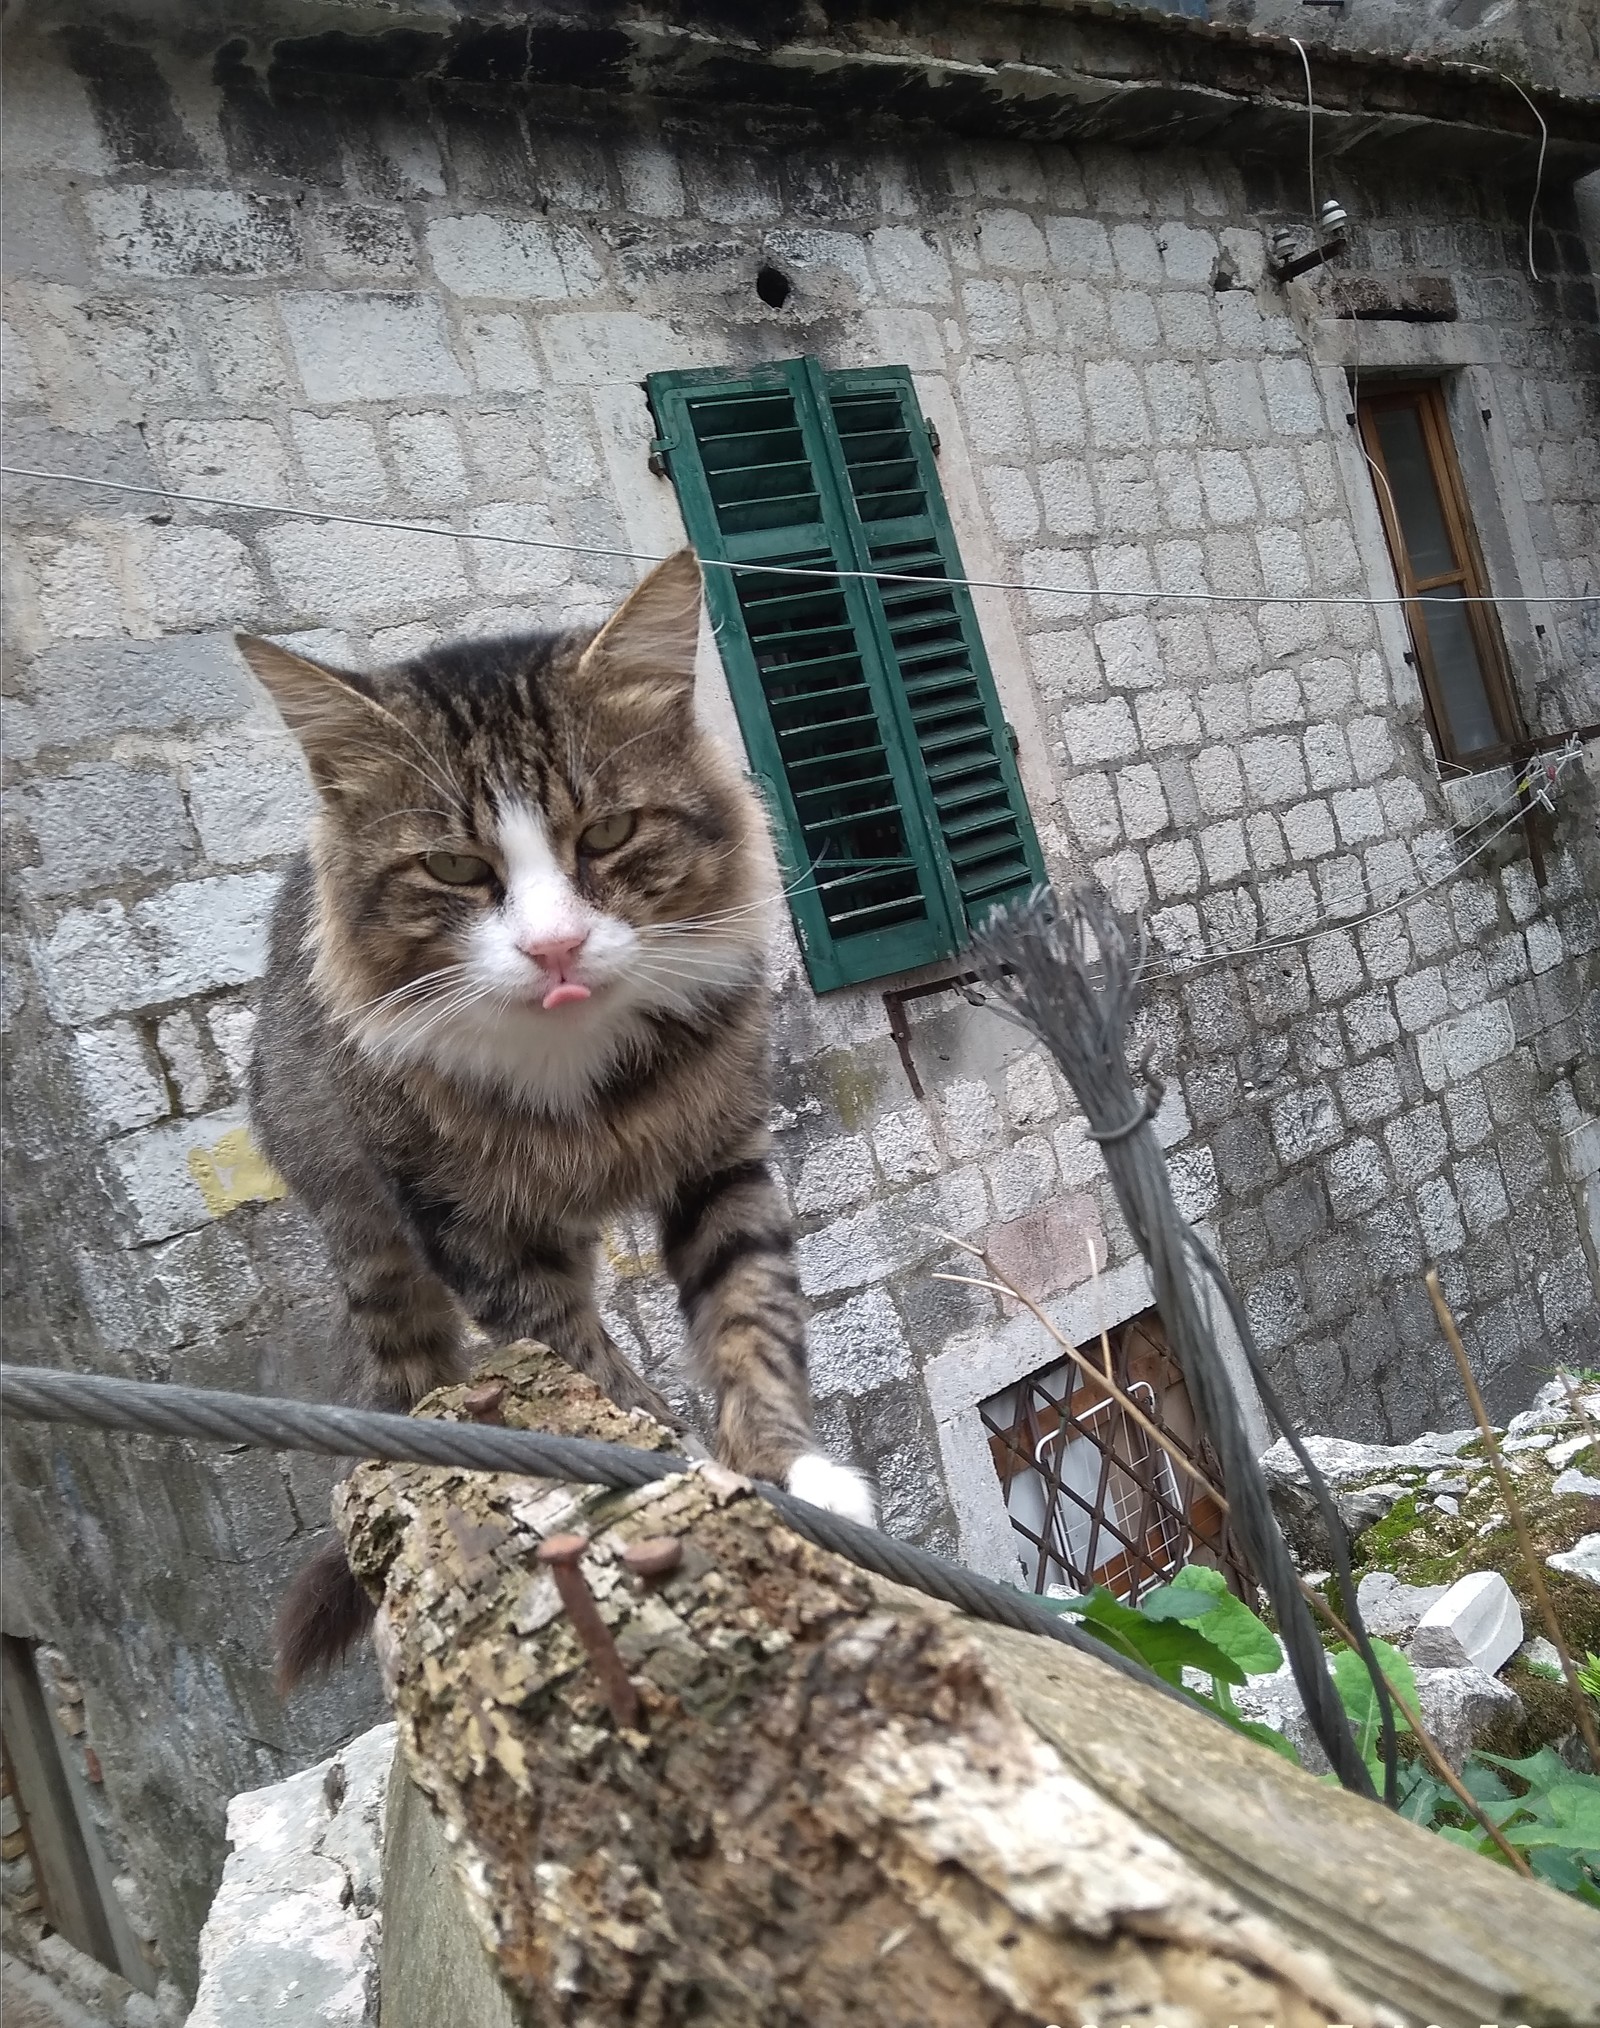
1391, 1610
1581, 1560
1343, 1463
1540, 1652
1540, 1441
1476, 1624
1458, 1705
1562, 1454
1574, 1481
292, 1939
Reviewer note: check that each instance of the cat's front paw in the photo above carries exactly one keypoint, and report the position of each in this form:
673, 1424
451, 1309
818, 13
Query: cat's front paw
837, 1489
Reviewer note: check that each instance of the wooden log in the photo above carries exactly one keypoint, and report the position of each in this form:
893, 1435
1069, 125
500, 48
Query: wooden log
844, 1803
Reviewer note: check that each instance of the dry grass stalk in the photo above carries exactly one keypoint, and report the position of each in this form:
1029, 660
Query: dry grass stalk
1001, 1287
1519, 1521
1430, 1751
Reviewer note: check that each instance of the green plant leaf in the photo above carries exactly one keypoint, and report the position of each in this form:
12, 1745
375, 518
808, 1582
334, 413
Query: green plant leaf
1166, 1646
1360, 1699
1200, 1597
1482, 1783
1541, 1770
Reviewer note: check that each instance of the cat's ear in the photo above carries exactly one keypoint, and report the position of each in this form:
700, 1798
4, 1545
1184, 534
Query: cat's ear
330, 717
642, 659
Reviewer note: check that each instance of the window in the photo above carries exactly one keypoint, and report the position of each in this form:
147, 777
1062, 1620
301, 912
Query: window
1092, 1496
867, 708
1460, 655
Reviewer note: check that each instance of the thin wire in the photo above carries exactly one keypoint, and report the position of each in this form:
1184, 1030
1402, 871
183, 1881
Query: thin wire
811, 572
1311, 130
1544, 142
1330, 923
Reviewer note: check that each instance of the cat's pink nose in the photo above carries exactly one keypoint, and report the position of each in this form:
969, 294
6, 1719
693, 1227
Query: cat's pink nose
555, 954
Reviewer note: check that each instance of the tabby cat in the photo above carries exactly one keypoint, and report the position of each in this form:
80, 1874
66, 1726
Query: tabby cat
515, 987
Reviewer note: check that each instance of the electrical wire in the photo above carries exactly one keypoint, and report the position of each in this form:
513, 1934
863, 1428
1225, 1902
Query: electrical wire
812, 572
1179, 969
1544, 143
1311, 132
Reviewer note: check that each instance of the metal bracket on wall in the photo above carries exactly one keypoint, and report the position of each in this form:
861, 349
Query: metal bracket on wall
894, 1005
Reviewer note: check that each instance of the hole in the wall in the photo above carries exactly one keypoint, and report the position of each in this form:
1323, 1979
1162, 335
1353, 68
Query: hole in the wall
774, 287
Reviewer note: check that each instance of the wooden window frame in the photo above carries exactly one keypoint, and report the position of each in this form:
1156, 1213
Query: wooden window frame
1426, 398
893, 951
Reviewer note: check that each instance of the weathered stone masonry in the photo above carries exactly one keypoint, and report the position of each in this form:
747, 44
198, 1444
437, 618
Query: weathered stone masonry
439, 303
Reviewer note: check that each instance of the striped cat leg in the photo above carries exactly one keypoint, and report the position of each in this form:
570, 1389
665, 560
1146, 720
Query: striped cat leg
546, 1292
726, 1242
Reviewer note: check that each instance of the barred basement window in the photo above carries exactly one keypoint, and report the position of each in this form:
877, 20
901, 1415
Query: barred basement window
1459, 652
867, 708
1091, 1495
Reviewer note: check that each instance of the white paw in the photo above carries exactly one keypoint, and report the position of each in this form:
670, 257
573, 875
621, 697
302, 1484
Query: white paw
837, 1489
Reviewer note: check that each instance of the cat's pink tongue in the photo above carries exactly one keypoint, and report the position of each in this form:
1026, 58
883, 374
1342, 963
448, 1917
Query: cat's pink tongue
565, 995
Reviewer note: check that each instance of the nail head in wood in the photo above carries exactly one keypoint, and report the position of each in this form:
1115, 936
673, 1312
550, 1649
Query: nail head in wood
482, 1403
654, 1556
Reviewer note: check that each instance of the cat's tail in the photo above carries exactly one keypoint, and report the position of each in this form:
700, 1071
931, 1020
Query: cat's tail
324, 1612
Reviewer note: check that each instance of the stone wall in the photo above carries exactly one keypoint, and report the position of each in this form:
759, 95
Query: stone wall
439, 303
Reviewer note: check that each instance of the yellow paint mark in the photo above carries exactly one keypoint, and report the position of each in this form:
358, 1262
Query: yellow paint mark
235, 1172
626, 1258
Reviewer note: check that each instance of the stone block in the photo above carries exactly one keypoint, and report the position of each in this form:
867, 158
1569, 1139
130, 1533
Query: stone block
101, 822
167, 234
1100, 732
239, 337
971, 1119
1292, 400
1114, 397
1328, 763
857, 1345
1469, 1043
426, 453
251, 799
120, 1077
1474, 1623
339, 573
361, 243
1273, 768
1142, 802
834, 1176
189, 939
88, 692
1031, 1096
1458, 1706
1358, 1177
1308, 830
177, 1176
184, 1057
1069, 507
370, 346
231, 458
1390, 1609
189, 578
1223, 848
1021, 1178
1217, 780
339, 454
295, 1926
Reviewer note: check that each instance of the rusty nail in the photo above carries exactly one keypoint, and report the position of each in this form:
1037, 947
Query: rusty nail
482, 1403
654, 1556
563, 1553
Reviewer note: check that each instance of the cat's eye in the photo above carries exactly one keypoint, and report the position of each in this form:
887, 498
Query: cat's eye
457, 869
607, 833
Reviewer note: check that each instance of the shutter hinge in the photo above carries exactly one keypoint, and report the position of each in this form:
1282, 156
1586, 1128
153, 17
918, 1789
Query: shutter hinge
1012, 741
658, 456
932, 428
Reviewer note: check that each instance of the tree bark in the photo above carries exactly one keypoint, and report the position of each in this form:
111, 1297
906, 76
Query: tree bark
845, 1803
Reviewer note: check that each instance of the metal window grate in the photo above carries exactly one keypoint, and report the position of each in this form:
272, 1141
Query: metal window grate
1093, 1499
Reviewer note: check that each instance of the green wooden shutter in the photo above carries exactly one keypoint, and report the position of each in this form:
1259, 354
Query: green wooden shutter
962, 737
868, 713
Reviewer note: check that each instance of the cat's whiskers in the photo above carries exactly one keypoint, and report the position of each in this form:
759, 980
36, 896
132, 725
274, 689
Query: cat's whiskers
415, 810
424, 981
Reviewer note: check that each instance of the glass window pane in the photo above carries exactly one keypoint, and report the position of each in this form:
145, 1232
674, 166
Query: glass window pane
1462, 692
1415, 497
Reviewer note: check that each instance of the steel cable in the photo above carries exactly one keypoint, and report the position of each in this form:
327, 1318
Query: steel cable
45, 1394
1068, 973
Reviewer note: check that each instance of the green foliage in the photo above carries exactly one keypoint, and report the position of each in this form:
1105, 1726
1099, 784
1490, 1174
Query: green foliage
1196, 1624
